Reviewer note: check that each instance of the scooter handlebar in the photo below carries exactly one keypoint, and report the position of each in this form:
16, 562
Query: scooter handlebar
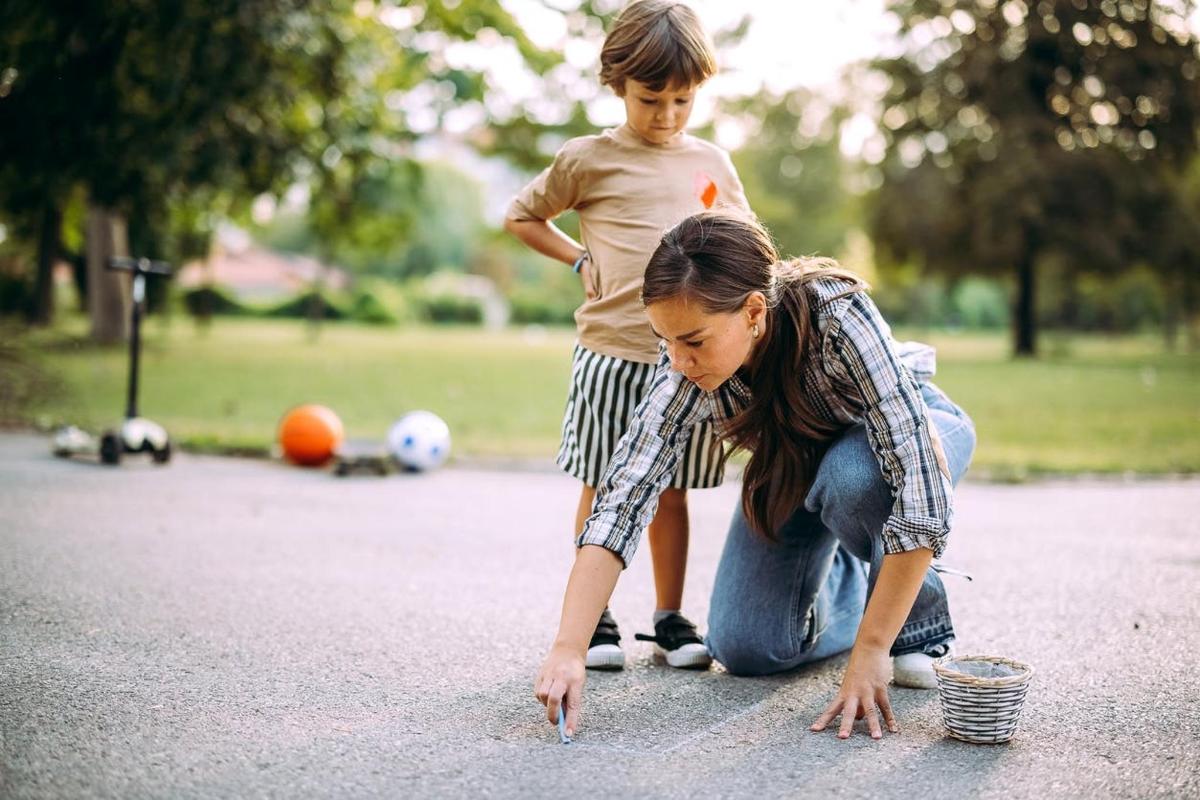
144, 266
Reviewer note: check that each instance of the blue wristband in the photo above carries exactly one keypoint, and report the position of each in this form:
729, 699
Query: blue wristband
578, 265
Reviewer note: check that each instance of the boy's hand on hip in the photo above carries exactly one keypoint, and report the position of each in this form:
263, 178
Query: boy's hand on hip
863, 695
585, 275
560, 682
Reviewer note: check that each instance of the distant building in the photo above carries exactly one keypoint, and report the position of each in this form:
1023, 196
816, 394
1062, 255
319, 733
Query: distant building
255, 274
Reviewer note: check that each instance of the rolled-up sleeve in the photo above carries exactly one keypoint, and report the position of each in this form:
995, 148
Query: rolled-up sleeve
643, 462
897, 423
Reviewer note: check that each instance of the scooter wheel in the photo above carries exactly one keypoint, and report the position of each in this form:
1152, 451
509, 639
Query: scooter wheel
110, 449
162, 455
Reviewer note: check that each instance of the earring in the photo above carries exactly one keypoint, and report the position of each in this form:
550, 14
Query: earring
754, 331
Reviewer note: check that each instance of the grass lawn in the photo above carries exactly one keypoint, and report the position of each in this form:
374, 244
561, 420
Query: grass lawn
1089, 404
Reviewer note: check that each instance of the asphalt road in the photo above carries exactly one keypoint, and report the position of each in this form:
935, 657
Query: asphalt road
236, 628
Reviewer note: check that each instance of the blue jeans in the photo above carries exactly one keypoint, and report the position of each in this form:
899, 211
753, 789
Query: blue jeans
777, 605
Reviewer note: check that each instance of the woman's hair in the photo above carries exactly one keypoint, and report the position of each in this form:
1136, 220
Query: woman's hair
719, 260
659, 43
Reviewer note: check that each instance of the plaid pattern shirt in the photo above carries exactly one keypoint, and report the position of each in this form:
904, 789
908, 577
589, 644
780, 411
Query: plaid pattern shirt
860, 375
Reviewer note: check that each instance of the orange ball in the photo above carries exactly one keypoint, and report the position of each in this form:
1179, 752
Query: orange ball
309, 434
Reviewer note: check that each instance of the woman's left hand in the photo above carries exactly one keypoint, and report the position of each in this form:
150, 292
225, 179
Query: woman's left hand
863, 694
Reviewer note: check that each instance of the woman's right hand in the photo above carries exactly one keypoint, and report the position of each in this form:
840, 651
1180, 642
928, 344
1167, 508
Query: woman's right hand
560, 682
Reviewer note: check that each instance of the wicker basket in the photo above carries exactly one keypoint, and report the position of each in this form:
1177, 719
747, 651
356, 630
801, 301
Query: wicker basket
982, 696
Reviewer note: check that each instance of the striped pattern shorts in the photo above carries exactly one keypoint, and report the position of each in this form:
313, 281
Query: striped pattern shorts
604, 393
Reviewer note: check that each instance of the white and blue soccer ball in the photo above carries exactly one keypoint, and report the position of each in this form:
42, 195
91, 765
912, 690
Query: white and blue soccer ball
419, 441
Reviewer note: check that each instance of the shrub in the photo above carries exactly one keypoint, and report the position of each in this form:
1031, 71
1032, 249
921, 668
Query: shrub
445, 308
367, 307
300, 307
536, 307
207, 301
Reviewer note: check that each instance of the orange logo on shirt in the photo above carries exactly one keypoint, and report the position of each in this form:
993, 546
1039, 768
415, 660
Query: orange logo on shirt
706, 190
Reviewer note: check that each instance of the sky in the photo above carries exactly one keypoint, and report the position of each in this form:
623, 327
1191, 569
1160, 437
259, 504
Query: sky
790, 43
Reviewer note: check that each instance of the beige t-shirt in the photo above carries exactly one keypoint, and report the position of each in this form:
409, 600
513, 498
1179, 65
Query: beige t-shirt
628, 193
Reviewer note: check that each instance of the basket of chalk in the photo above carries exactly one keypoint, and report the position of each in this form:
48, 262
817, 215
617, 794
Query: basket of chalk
982, 696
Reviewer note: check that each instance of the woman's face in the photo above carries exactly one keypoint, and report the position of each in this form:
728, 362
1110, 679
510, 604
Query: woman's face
707, 348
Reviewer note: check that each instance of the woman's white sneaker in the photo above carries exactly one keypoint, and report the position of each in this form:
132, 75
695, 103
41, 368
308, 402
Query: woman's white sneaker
915, 670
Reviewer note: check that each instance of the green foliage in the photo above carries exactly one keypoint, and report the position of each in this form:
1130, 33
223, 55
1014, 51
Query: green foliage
368, 308
178, 114
450, 309
1099, 404
1019, 133
311, 304
15, 294
365, 305
410, 219
980, 304
308, 305
538, 305
25, 382
208, 301
1132, 300
794, 181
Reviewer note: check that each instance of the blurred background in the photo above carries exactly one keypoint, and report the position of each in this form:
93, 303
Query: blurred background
1018, 180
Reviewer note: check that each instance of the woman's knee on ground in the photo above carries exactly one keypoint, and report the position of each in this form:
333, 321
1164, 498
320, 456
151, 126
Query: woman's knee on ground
742, 651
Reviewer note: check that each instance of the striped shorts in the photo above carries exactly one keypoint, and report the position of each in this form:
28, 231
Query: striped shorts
604, 393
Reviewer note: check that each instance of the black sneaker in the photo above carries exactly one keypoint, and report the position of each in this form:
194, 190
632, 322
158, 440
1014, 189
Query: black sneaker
604, 651
675, 638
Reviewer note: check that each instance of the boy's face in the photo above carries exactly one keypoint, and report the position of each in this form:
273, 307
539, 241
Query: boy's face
657, 116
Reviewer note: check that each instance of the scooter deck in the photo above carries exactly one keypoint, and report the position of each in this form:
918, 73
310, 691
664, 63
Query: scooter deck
363, 458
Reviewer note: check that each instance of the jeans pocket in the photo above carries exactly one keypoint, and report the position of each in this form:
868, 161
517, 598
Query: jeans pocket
815, 622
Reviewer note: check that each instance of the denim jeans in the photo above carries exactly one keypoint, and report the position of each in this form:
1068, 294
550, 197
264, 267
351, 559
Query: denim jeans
777, 605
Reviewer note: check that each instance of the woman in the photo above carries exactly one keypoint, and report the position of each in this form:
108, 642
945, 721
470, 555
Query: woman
846, 498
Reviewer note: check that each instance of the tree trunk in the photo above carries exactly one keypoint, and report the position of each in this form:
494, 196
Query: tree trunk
1025, 309
108, 291
41, 310
78, 262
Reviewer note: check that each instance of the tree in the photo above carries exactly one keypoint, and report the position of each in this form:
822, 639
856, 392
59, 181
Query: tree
407, 222
134, 101
793, 170
1021, 131
159, 109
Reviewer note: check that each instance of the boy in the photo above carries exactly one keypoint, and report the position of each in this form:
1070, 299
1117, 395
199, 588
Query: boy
629, 185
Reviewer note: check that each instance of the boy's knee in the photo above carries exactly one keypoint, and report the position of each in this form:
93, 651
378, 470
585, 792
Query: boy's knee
673, 500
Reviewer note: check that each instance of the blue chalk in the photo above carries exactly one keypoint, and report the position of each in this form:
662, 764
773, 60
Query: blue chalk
562, 726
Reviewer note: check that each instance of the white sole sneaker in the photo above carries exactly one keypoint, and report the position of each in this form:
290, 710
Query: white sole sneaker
605, 656
687, 656
915, 670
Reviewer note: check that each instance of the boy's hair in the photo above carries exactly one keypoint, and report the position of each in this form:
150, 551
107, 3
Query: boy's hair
659, 43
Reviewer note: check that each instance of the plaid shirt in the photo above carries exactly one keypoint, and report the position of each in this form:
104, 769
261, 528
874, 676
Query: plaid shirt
861, 375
